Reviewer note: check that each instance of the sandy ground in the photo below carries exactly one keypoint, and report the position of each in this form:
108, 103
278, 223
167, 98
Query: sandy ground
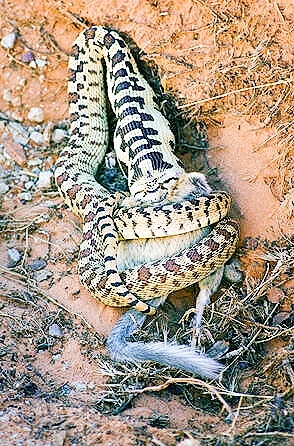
225, 66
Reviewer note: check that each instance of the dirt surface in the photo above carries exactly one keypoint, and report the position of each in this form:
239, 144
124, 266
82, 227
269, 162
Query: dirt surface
223, 72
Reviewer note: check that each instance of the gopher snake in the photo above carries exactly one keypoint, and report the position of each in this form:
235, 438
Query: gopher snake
166, 204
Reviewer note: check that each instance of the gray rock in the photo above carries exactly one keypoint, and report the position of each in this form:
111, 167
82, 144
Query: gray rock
29, 184
6, 95
58, 135
42, 275
20, 138
34, 164
56, 331
13, 100
37, 264
66, 365
36, 170
19, 134
79, 386
14, 256
25, 196
3, 188
49, 204
45, 178
38, 63
37, 137
65, 389
8, 41
24, 178
41, 63
36, 114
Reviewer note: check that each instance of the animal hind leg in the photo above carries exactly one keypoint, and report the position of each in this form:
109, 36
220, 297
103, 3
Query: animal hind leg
208, 287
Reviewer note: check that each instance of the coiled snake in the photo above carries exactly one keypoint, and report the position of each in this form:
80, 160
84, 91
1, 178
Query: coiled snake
166, 204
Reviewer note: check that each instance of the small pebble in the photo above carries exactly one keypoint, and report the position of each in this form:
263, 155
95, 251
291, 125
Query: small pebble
8, 41
66, 365
243, 365
22, 81
20, 138
37, 264
15, 101
45, 178
16, 116
48, 132
35, 162
79, 386
65, 389
25, 196
19, 134
29, 184
58, 135
49, 204
14, 256
37, 137
24, 178
56, 331
27, 57
42, 275
189, 442
36, 114
280, 317
41, 63
4, 188
230, 418
38, 63
58, 438
8, 97
110, 160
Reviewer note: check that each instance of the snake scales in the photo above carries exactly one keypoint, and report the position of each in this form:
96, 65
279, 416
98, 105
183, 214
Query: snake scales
165, 201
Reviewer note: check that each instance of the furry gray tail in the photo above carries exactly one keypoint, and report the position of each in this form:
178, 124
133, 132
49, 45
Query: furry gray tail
171, 355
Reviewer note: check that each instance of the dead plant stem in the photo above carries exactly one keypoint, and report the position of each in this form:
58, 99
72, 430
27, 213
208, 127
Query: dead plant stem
25, 280
229, 93
193, 381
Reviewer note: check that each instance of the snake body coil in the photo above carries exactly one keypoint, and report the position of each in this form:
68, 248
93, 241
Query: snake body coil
174, 209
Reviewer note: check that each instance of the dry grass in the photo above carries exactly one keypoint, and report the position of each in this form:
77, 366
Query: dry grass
242, 321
